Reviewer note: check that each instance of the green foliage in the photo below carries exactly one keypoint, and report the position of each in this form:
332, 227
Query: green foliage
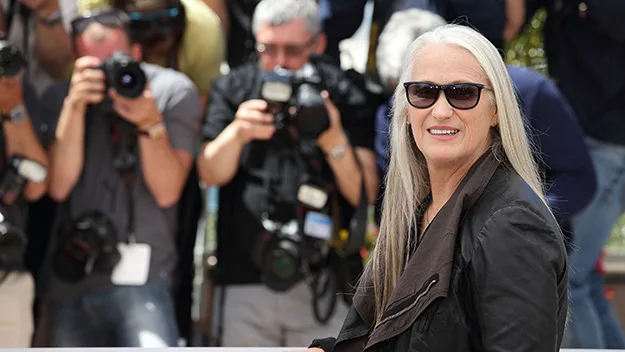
527, 49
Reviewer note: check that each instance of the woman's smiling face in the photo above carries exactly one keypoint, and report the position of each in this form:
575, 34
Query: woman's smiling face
447, 135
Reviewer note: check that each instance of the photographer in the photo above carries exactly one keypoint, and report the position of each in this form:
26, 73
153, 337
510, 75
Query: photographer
19, 145
122, 152
185, 35
267, 155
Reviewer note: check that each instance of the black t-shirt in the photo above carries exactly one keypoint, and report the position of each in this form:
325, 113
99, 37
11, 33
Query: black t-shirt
241, 200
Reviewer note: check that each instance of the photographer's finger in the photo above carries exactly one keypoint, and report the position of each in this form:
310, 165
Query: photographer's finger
255, 116
86, 62
94, 97
333, 111
254, 104
264, 132
93, 75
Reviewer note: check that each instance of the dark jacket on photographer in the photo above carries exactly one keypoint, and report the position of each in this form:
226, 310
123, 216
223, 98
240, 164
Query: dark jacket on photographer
483, 277
241, 200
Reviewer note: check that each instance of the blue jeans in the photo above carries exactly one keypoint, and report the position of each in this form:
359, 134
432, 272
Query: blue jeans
123, 316
594, 323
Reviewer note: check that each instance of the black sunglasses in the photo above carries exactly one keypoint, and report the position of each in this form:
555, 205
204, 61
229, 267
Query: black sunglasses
107, 18
462, 96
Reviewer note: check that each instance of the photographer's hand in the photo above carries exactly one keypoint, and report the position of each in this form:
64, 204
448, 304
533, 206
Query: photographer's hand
87, 84
334, 135
251, 121
141, 111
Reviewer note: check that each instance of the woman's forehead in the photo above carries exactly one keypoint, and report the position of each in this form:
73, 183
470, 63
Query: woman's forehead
446, 63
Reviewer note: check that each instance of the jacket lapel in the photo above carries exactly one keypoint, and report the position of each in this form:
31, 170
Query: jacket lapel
427, 274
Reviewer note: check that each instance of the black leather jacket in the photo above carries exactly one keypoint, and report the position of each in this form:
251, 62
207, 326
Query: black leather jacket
490, 274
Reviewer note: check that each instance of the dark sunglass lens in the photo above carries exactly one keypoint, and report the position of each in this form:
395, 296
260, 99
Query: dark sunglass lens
422, 94
462, 96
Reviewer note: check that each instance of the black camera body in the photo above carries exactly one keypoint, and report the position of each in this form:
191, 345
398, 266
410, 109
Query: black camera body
124, 74
289, 250
294, 97
12, 61
86, 245
286, 254
16, 174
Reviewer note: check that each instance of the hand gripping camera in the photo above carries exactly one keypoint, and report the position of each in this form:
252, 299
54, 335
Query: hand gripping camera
17, 172
124, 74
294, 98
12, 61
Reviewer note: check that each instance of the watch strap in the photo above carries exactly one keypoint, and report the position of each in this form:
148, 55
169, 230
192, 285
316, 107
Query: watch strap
156, 131
17, 114
51, 20
338, 151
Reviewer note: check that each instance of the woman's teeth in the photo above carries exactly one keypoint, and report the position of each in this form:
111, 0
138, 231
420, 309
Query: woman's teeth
443, 132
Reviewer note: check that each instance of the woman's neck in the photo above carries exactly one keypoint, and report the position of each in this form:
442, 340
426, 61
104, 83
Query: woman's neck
443, 183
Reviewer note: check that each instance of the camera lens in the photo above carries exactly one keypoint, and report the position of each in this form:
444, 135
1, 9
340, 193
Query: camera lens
127, 80
284, 265
11, 60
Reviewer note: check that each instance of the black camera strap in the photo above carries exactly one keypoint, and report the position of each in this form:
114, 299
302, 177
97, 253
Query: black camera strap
125, 141
24, 12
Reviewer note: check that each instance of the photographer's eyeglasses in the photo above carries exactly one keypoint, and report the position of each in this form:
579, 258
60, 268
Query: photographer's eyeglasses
290, 50
462, 96
107, 18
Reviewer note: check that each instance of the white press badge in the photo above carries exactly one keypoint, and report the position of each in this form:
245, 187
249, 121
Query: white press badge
134, 265
312, 196
318, 225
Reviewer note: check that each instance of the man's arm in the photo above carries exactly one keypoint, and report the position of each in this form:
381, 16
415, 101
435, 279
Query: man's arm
219, 159
67, 152
19, 136
569, 169
21, 139
347, 170
165, 158
352, 165
220, 8
52, 42
165, 169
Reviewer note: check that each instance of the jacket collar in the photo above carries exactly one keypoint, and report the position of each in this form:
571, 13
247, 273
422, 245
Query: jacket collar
427, 274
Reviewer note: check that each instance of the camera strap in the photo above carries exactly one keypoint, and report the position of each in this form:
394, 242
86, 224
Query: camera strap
15, 6
124, 137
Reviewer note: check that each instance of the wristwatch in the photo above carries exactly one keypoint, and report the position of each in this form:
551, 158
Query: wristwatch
338, 151
17, 115
52, 20
155, 132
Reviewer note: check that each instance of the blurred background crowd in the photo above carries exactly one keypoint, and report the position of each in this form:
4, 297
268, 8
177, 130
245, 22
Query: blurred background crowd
210, 172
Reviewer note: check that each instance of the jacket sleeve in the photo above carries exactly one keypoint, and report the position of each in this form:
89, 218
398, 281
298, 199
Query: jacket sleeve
569, 169
518, 261
327, 344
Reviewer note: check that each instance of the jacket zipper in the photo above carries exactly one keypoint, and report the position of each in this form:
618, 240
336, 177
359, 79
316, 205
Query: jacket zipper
412, 305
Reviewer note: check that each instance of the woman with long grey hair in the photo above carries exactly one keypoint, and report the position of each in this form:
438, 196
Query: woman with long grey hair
469, 257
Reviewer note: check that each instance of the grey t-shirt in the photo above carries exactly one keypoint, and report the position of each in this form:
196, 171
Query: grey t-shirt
102, 188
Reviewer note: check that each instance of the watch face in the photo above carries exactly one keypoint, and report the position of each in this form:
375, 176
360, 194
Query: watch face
157, 132
18, 114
